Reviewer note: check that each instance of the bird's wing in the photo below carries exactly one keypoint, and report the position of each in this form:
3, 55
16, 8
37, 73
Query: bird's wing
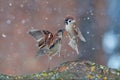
41, 36
54, 43
55, 47
48, 36
78, 32
36, 34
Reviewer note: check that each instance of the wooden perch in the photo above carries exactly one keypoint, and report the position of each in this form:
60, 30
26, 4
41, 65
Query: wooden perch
73, 70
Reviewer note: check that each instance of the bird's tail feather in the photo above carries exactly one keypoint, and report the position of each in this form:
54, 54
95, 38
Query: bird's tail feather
42, 52
73, 45
81, 37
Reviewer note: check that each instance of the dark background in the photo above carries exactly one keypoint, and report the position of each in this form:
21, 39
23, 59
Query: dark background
98, 21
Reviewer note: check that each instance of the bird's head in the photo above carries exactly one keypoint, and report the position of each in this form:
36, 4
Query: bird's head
69, 20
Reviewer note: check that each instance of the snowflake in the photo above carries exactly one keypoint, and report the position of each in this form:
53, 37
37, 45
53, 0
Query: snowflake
88, 18
91, 12
8, 21
23, 21
3, 35
54, 9
88, 32
46, 2
21, 5
46, 18
10, 4
93, 48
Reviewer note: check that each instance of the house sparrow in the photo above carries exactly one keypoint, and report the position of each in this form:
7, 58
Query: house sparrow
73, 33
49, 44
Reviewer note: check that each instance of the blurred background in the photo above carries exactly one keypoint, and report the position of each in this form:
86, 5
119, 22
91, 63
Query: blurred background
98, 20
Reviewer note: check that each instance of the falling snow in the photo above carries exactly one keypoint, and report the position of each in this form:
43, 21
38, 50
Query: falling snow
93, 48
3, 35
8, 21
21, 5
91, 13
114, 62
40, 14
46, 18
110, 42
88, 32
54, 9
23, 21
46, 2
10, 4
88, 18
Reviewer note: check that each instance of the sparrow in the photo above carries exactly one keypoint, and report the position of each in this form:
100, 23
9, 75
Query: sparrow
73, 32
48, 43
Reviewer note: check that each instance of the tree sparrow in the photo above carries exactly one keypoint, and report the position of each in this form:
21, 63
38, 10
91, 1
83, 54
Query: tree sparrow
49, 44
73, 33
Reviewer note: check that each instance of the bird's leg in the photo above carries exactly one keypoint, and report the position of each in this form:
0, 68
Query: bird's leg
48, 65
59, 51
63, 57
70, 43
49, 59
74, 45
74, 42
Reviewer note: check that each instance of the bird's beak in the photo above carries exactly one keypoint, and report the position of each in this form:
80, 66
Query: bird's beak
73, 21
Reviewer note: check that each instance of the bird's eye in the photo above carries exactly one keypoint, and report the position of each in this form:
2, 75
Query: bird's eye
69, 20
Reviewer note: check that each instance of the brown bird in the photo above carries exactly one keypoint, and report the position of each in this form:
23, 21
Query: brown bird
48, 43
73, 32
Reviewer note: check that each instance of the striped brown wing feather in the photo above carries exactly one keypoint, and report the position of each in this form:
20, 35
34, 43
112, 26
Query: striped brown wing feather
42, 37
